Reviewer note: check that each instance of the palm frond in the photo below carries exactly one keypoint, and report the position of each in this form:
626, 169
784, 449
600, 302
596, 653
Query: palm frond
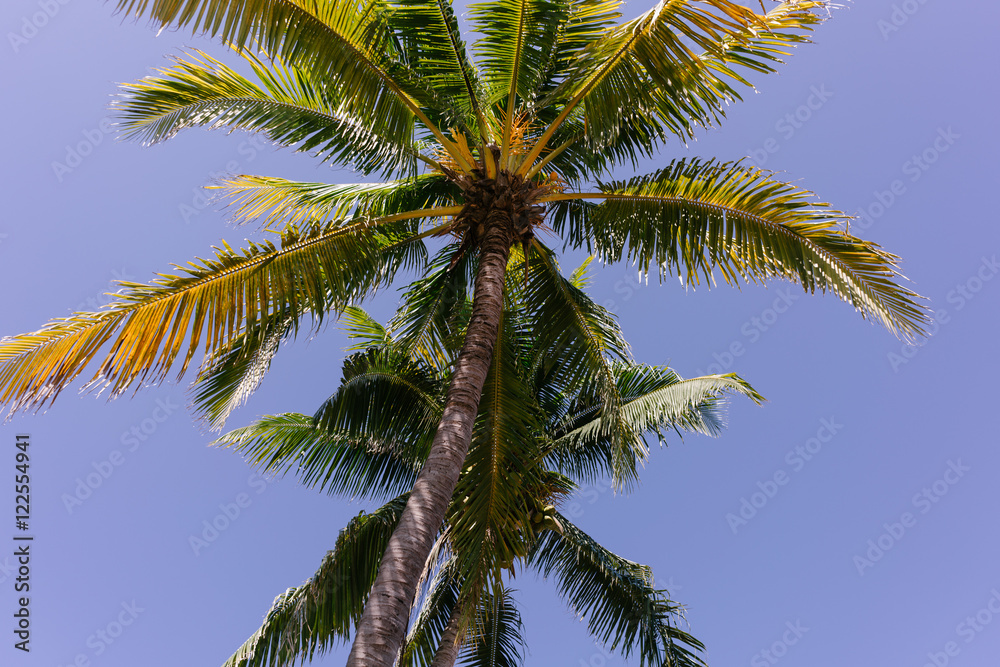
517, 36
616, 597
772, 37
669, 70
581, 161
436, 308
694, 217
432, 43
349, 45
269, 201
576, 340
487, 517
369, 439
654, 400
386, 397
336, 463
431, 625
316, 269
579, 23
311, 618
497, 636
566, 324
362, 327
232, 375
580, 278
292, 107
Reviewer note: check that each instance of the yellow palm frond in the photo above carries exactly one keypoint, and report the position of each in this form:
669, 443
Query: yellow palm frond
317, 269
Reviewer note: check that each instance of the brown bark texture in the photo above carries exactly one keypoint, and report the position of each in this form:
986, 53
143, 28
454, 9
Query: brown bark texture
450, 647
382, 628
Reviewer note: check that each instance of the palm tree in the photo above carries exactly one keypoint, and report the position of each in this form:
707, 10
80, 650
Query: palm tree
536, 438
487, 147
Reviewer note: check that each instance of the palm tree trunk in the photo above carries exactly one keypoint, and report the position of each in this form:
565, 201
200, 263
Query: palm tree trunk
449, 648
383, 624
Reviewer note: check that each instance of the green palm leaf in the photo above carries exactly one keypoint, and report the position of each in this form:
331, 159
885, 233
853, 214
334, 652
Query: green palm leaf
309, 619
368, 439
232, 375
292, 107
694, 217
362, 327
566, 324
349, 44
656, 397
498, 635
645, 76
513, 51
617, 598
333, 462
436, 52
386, 396
579, 340
508, 50
437, 620
486, 522
579, 23
653, 399
435, 308
638, 130
775, 32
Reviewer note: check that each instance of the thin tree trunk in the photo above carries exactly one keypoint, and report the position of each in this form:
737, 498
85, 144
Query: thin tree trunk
449, 648
382, 628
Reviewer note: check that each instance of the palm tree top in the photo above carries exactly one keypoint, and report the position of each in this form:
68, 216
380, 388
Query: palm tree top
551, 96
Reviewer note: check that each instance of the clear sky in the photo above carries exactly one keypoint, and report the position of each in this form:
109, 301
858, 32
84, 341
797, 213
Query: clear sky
873, 467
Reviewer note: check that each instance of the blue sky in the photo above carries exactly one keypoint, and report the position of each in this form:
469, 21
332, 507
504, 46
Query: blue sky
867, 483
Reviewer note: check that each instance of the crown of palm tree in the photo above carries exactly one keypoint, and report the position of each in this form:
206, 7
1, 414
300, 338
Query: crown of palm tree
381, 86
540, 432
